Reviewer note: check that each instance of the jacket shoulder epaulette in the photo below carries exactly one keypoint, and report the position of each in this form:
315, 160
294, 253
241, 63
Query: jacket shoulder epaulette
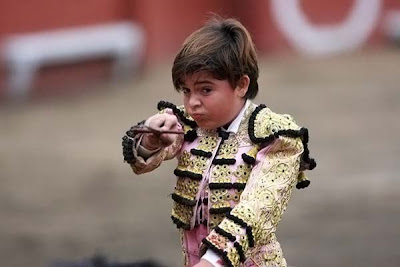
265, 126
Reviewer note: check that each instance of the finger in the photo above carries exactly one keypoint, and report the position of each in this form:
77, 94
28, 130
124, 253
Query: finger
150, 142
169, 122
153, 137
167, 139
177, 127
155, 122
169, 111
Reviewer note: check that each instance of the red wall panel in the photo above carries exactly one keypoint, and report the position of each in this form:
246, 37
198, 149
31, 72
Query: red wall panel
168, 23
26, 16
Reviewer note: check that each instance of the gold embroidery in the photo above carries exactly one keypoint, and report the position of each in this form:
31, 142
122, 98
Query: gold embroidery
272, 253
229, 148
235, 195
243, 173
198, 164
233, 256
208, 143
217, 240
182, 212
243, 212
268, 122
215, 220
219, 198
236, 230
242, 135
187, 187
184, 159
221, 174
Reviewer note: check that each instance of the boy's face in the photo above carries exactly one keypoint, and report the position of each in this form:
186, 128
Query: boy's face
212, 103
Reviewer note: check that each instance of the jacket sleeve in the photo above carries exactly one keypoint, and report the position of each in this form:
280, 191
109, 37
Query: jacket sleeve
262, 202
139, 164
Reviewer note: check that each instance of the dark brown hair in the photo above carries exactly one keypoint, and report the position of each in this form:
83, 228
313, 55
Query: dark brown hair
222, 47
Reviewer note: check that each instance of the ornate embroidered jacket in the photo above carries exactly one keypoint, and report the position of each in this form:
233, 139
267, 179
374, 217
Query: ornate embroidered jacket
248, 178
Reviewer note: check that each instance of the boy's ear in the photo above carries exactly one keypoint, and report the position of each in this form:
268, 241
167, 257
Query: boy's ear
243, 85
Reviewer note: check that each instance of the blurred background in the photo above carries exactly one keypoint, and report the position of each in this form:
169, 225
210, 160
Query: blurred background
75, 75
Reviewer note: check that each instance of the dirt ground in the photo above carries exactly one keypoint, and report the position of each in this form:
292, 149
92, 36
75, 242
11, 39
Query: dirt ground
65, 192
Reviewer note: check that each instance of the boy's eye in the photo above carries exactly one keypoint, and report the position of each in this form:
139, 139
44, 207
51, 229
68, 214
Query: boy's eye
206, 90
185, 91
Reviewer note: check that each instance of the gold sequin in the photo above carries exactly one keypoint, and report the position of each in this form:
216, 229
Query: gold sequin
243, 172
221, 174
197, 164
235, 194
207, 143
215, 220
219, 198
236, 230
182, 212
229, 148
187, 187
184, 159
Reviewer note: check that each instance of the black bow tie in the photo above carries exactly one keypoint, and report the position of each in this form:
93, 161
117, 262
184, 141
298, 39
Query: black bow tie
223, 134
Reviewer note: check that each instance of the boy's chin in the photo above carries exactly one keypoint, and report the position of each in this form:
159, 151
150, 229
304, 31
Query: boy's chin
207, 125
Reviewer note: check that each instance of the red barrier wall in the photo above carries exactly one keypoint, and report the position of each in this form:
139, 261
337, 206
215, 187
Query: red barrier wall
168, 22
27, 16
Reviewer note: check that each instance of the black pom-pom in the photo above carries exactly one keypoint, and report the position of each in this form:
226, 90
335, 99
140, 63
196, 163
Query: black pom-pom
190, 136
304, 135
303, 184
248, 159
313, 164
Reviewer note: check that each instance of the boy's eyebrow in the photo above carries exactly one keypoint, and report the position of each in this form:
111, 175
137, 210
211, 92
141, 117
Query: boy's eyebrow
203, 81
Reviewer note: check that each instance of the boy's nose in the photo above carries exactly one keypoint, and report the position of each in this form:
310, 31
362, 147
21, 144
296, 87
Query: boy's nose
194, 102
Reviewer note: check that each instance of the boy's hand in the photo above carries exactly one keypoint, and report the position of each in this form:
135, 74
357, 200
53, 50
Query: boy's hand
162, 122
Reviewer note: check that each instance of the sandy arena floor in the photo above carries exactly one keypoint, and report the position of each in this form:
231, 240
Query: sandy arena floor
65, 192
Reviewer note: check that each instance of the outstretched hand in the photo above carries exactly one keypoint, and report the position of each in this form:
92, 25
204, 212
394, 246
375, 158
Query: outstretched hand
161, 122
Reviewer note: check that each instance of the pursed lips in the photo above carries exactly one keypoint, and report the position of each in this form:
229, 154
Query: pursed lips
197, 115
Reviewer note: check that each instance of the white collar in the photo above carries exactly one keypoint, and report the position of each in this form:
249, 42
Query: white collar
234, 126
